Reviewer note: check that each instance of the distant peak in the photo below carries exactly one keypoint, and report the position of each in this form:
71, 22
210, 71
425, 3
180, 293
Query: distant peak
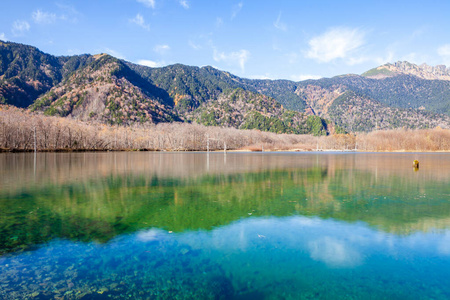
424, 71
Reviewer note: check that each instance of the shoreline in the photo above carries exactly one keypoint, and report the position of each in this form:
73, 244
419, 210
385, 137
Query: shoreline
2, 150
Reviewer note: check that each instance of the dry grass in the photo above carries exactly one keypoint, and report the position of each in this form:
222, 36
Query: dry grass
20, 129
405, 140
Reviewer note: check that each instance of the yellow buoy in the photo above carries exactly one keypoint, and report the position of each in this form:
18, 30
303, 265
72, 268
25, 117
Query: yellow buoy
416, 164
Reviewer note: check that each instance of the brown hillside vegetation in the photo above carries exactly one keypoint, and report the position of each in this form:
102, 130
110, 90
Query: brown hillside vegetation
103, 92
437, 139
18, 127
20, 130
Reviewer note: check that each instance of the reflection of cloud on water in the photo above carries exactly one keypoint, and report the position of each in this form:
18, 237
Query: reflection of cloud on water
444, 244
152, 234
304, 221
334, 252
335, 243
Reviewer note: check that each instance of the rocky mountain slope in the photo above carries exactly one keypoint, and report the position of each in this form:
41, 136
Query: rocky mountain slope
424, 71
109, 90
400, 91
312, 97
249, 110
357, 112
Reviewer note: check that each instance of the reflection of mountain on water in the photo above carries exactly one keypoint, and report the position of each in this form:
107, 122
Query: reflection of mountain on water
19, 170
113, 201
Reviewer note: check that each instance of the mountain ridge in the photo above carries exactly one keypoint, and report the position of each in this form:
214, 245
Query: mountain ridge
424, 71
106, 89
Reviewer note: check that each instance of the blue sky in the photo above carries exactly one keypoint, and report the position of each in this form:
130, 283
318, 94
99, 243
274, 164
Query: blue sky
279, 39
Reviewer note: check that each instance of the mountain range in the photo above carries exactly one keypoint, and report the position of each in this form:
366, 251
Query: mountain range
113, 91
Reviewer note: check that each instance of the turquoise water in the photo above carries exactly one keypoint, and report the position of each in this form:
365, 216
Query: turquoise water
240, 226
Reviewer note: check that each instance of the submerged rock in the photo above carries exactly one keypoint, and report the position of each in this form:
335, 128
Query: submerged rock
220, 288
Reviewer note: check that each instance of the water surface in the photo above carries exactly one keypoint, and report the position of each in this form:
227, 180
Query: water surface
235, 226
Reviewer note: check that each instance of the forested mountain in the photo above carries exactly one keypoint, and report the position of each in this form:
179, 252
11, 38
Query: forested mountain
403, 91
109, 90
190, 86
357, 112
249, 110
26, 72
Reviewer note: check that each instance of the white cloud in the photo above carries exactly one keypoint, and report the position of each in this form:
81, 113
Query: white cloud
69, 13
3, 36
292, 57
139, 20
114, 53
194, 45
263, 77
20, 27
416, 58
356, 60
148, 3
380, 60
219, 22
238, 57
280, 25
276, 46
161, 49
410, 57
74, 51
302, 77
150, 63
339, 42
236, 9
444, 52
184, 3
42, 17
388, 58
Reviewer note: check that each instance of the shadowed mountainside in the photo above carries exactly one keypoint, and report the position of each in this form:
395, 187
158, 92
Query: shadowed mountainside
109, 90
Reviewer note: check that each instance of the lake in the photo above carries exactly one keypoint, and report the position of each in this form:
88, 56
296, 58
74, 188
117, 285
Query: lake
159, 225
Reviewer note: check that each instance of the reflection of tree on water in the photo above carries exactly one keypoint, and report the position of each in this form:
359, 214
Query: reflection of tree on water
101, 208
62, 168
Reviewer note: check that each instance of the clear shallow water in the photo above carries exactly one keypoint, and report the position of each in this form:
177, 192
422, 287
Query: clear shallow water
241, 226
